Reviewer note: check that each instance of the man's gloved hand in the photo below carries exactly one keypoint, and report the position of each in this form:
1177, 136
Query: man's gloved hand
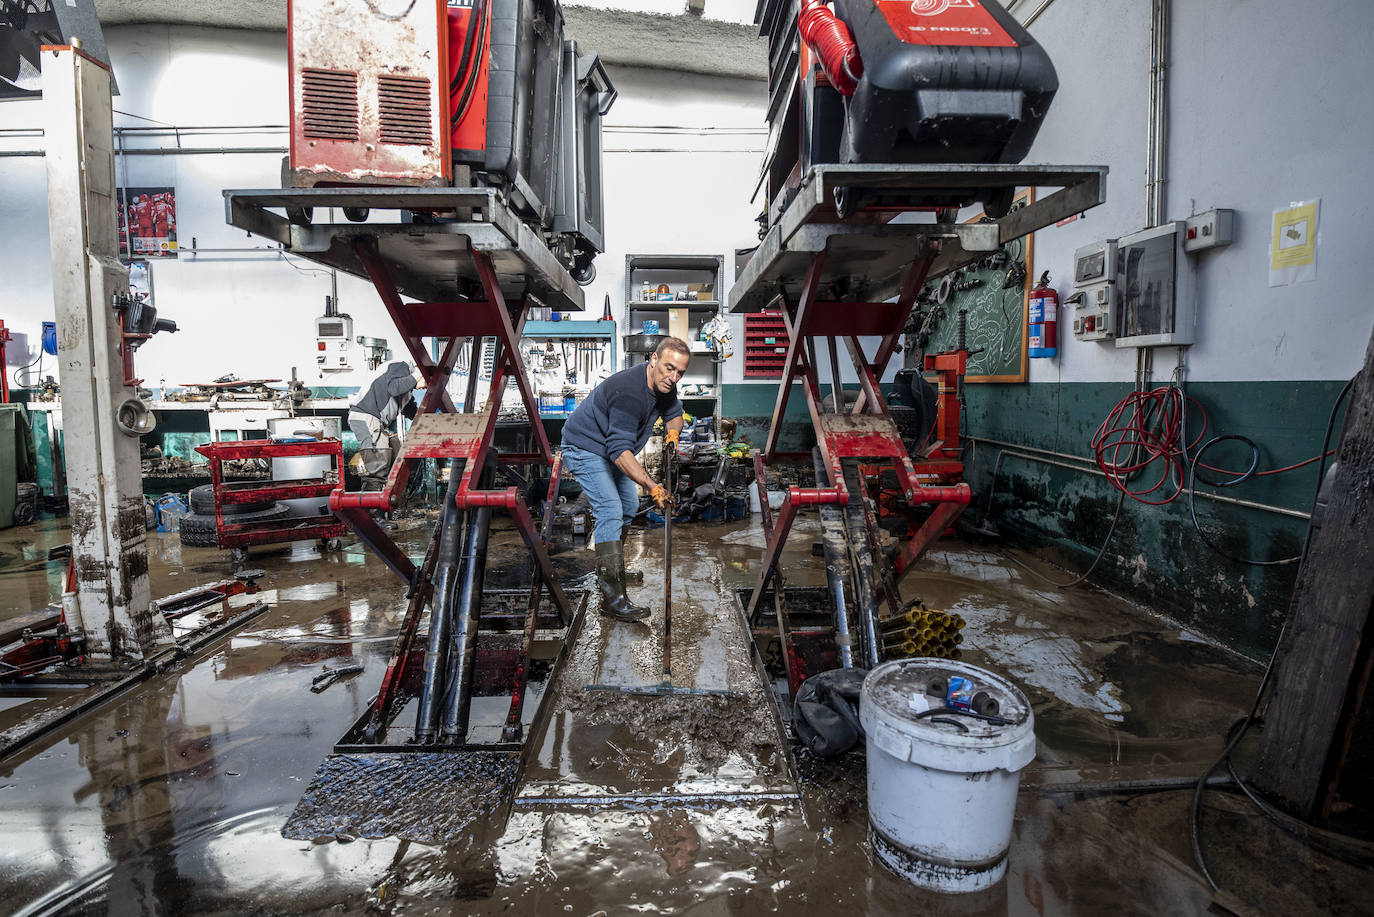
671, 437
660, 496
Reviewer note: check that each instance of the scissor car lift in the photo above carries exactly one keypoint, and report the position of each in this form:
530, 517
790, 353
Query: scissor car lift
837, 278
475, 271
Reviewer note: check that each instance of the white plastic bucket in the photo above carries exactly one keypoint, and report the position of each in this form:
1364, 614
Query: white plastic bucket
942, 788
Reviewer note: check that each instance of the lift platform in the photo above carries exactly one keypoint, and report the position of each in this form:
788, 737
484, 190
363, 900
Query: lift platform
476, 272
425, 249
844, 278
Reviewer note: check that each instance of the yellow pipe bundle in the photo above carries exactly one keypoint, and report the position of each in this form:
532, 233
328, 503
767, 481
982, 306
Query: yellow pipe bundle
920, 631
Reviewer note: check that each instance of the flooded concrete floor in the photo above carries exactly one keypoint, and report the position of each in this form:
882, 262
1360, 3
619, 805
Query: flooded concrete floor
172, 799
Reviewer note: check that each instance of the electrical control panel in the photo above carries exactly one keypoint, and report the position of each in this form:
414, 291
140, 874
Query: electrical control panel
1096, 299
334, 343
1157, 288
1209, 229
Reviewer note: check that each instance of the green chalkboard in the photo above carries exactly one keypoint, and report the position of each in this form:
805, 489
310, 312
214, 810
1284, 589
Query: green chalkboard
996, 292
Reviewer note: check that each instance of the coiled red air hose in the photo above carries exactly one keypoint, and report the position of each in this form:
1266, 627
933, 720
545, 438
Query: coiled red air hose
830, 38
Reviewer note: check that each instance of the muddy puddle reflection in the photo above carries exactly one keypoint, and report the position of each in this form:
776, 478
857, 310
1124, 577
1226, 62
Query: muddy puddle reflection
172, 800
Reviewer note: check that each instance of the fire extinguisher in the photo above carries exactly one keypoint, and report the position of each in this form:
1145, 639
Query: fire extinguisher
1044, 319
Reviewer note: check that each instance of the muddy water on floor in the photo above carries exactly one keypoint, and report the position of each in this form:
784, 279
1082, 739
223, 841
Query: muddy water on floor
172, 799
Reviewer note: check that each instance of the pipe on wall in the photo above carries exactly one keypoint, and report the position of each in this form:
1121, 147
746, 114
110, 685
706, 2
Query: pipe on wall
1035, 15
1088, 467
1157, 140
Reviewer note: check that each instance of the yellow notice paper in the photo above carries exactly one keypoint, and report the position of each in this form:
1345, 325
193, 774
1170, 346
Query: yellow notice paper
1293, 245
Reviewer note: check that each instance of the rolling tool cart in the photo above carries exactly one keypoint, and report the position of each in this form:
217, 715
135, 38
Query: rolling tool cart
237, 536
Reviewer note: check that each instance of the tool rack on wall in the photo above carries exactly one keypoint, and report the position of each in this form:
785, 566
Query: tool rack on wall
838, 279
600, 335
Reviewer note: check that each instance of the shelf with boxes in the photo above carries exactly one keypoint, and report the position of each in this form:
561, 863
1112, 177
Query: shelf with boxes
565, 360
676, 296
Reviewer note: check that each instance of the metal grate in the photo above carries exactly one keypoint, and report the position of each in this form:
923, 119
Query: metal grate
403, 102
330, 104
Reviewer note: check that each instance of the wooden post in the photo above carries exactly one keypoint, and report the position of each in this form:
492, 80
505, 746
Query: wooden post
1322, 667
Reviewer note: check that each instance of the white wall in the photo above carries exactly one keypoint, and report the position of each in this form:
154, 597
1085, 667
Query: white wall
252, 313
680, 193
1265, 107
1268, 104
242, 312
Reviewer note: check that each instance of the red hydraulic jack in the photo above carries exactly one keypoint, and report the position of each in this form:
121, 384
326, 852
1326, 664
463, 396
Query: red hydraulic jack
441, 432
852, 440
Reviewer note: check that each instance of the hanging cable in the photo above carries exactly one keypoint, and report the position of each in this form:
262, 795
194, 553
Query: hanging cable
1240, 477
1116, 514
37, 361
1145, 429
469, 69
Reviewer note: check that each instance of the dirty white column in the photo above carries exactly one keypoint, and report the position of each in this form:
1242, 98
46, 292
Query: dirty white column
105, 487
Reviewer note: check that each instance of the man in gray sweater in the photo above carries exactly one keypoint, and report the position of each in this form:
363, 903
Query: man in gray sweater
377, 407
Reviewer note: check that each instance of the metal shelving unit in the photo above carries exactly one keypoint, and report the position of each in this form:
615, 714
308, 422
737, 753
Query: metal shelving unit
678, 271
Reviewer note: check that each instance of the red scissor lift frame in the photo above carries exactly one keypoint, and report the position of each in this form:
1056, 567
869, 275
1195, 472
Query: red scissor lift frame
439, 431
866, 434
810, 250
462, 267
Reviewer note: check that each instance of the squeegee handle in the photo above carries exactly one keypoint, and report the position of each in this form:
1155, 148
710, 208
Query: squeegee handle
670, 454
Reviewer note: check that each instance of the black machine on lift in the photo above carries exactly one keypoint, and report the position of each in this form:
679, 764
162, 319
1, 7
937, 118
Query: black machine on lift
880, 109
900, 82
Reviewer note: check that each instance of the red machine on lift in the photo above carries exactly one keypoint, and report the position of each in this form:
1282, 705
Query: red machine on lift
886, 114
452, 93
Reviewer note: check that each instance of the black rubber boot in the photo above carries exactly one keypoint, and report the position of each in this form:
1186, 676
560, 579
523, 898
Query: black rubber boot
631, 576
610, 582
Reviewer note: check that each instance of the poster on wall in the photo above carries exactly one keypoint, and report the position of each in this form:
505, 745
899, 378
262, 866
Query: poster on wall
147, 223
1293, 244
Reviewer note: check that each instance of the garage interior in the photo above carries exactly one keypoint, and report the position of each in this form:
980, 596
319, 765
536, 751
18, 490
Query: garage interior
1017, 558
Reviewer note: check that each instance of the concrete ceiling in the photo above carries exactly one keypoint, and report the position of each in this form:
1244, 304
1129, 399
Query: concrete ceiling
632, 38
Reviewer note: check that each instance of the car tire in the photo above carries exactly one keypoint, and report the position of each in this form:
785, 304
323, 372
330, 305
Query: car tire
202, 500
198, 530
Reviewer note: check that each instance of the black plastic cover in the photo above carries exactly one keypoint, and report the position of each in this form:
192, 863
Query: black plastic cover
944, 103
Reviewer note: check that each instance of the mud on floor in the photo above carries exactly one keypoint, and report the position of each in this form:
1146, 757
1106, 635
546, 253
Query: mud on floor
700, 730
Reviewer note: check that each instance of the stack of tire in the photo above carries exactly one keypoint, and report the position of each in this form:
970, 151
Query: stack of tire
198, 526
25, 503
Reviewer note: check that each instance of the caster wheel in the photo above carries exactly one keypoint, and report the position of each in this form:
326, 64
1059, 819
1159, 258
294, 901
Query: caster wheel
845, 202
355, 214
300, 216
998, 202
330, 545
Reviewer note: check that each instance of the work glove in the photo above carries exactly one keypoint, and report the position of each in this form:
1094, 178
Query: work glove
671, 437
660, 496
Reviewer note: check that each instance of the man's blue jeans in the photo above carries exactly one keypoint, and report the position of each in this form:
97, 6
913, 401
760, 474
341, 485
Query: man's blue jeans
614, 497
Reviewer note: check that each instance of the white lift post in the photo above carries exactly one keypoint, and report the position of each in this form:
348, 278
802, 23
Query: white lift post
105, 487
